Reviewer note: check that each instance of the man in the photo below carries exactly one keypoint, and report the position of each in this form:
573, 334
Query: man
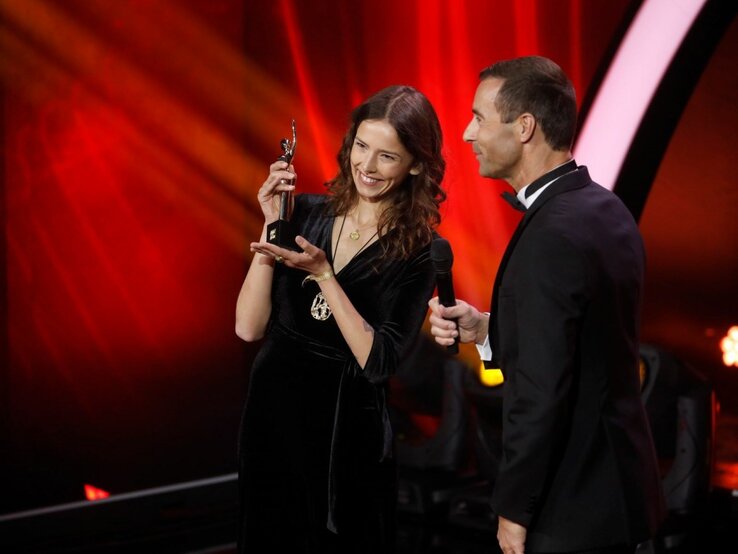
578, 471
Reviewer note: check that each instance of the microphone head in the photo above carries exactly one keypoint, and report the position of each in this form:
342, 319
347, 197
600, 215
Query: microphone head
441, 255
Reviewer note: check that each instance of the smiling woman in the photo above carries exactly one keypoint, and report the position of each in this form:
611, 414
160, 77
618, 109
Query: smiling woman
379, 159
337, 318
379, 163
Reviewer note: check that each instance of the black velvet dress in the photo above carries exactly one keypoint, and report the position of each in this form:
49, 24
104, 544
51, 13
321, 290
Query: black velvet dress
316, 472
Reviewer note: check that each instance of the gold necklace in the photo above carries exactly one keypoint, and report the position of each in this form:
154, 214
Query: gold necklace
356, 234
352, 237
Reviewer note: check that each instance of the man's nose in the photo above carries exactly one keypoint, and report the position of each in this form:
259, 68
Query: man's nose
470, 133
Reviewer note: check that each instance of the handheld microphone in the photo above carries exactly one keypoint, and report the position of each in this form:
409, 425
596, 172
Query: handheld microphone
442, 259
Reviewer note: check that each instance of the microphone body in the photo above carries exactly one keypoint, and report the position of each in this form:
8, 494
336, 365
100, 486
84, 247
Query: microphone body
442, 259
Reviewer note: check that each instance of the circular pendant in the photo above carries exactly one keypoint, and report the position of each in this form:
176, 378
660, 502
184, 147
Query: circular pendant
354, 235
320, 309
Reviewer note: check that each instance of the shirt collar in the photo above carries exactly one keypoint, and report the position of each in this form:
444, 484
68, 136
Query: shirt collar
552, 175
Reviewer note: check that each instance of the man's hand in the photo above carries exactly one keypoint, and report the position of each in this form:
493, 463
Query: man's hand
472, 325
511, 536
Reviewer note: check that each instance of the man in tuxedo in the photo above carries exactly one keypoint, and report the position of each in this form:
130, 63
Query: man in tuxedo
578, 471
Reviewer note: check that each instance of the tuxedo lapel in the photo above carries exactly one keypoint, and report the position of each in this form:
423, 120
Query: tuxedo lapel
572, 181
495, 362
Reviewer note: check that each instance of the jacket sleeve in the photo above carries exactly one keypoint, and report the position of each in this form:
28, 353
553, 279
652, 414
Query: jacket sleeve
540, 309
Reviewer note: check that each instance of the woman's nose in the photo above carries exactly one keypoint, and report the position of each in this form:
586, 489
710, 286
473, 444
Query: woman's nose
369, 165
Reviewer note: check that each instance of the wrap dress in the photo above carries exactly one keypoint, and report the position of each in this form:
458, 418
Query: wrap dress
316, 472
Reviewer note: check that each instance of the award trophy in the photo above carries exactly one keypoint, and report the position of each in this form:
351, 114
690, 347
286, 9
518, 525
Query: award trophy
282, 232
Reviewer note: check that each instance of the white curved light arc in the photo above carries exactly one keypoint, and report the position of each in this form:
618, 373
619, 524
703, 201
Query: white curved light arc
639, 65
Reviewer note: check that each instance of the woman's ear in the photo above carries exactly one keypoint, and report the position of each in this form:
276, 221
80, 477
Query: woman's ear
416, 170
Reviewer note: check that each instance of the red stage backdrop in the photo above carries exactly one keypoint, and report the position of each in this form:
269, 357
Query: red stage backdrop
136, 133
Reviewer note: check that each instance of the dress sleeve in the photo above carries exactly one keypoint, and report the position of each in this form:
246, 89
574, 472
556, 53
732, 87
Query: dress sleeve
404, 306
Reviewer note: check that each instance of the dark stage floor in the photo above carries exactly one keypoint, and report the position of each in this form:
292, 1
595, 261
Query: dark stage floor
464, 526
439, 516
467, 528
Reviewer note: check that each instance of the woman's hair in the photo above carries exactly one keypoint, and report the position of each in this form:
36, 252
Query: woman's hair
537, 85
411, 213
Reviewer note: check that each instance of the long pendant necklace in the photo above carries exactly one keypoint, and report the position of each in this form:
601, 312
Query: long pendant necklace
320, 309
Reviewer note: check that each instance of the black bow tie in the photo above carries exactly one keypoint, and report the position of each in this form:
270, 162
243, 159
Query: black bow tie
563, 169
511, 199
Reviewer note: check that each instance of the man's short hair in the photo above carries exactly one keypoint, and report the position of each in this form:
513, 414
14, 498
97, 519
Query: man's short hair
537, 85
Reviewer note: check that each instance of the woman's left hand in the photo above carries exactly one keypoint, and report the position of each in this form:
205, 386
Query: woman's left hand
312, 259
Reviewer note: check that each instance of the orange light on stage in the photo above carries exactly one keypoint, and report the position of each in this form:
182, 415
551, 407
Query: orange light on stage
93, 493
490, 377
729, 346
642, 371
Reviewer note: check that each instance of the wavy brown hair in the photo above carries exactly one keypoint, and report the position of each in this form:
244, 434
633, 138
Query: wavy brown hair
411, 214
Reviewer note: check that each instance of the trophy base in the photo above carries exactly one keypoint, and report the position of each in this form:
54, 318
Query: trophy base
282, 233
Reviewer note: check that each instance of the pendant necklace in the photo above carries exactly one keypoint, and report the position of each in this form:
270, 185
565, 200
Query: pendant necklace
355, 234
320, 309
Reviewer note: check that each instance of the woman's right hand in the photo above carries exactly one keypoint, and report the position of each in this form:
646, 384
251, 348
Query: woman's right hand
281, 179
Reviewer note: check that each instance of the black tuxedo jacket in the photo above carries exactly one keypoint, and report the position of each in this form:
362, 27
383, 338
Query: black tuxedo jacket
578, 466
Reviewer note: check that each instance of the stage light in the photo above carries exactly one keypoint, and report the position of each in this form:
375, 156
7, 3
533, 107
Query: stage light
729, 346
93, 493
642, 371
490, 377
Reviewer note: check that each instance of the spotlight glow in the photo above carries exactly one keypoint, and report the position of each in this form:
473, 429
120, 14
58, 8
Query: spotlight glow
94, 493
729, 346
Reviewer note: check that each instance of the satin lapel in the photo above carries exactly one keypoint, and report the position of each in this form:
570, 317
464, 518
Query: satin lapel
506, 256
566, 183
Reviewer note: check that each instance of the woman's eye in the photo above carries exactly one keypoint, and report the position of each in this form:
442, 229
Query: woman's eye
388, 158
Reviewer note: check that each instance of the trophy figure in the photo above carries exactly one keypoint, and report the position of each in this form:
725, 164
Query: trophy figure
282, 232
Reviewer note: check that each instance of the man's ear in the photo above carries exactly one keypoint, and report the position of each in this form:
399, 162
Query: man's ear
527, 126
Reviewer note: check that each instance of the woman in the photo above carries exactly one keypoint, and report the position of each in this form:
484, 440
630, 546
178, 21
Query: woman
316, 472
